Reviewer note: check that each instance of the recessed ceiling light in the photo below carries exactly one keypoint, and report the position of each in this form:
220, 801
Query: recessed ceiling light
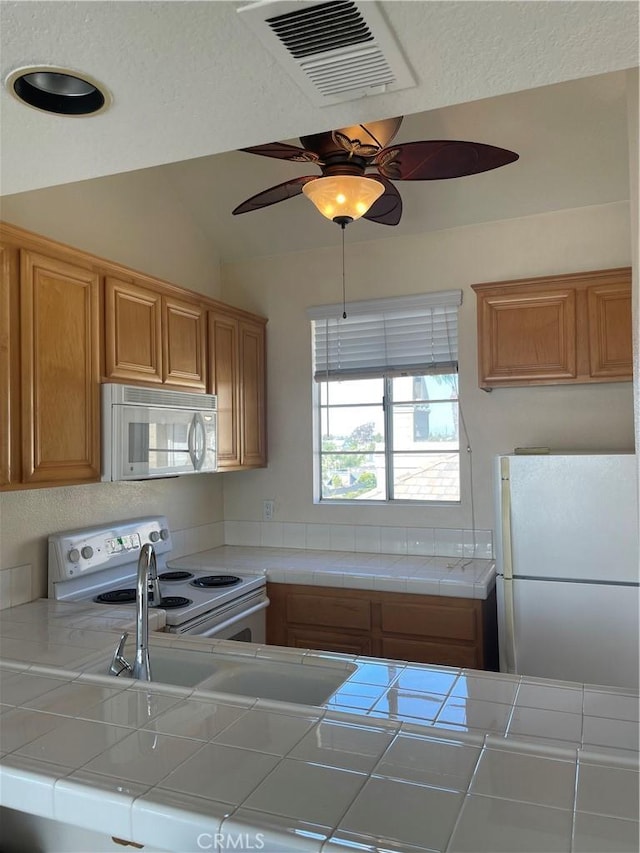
58, 90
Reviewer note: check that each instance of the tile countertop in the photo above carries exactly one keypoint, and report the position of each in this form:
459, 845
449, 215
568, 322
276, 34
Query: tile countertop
463, 577
404, 757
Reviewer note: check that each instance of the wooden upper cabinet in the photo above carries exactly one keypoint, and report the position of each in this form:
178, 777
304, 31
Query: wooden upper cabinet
153, 338
225, 384
237, 377
184, 343
610, 344
252, 394
59, 366
133, 335
7, 345
553, 330
69, 320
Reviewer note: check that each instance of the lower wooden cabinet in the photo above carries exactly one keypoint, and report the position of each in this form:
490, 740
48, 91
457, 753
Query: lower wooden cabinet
399, 626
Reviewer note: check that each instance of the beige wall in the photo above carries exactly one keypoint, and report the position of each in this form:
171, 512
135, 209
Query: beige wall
586, 417
135, 219
193, 506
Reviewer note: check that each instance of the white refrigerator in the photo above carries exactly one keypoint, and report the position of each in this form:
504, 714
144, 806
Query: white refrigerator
568, 565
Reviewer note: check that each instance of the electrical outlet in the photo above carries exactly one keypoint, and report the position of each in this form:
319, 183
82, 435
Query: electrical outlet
267, 510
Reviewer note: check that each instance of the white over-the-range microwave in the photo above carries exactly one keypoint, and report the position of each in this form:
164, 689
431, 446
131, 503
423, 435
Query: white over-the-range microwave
156, 432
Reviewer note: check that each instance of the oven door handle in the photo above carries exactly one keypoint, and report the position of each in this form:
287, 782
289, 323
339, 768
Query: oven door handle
237, 618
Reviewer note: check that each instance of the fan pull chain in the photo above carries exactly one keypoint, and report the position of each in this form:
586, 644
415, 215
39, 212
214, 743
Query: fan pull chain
344, 298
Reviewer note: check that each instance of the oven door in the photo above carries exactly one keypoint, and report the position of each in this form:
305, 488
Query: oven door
242, 620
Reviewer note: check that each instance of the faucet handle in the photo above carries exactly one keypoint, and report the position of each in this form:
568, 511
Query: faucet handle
118, 662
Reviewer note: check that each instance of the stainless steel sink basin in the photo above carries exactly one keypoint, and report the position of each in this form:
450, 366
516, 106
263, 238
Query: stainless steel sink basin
246, 676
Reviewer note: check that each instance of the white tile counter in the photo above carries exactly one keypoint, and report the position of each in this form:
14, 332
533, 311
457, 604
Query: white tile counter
447, 576
402, 757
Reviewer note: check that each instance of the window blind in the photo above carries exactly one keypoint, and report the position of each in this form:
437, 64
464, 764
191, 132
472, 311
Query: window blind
398, 336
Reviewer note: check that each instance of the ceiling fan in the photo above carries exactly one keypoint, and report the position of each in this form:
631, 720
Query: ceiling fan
358, 165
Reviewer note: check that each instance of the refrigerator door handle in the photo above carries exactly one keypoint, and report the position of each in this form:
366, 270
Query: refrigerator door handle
505, 511
510, 633
507, 565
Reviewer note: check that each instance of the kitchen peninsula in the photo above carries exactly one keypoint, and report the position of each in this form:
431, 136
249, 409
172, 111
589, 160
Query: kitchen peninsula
460, 759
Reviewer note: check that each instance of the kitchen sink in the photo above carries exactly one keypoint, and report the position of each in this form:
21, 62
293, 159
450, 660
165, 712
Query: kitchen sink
263, 678
285, 682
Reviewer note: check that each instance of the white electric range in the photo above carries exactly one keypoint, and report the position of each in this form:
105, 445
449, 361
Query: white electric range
100, 564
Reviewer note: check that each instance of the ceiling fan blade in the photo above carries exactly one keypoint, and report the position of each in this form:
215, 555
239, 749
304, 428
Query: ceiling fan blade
282, 151
281, 192
387, 210
435, 160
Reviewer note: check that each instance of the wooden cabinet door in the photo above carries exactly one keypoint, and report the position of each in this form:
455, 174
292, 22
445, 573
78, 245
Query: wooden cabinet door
59, 370
527, 336
225, 384
6, 373
133, 335
610, 345
183, 343
252, 394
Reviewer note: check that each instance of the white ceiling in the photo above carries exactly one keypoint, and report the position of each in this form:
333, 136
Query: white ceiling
190, 80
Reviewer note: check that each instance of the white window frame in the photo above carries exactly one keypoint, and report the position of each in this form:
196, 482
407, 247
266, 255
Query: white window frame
443, 365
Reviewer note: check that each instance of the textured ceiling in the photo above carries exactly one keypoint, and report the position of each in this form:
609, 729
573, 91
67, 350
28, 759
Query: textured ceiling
189, 79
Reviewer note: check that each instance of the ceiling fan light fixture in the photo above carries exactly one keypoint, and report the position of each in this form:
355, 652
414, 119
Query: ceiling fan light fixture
343, 196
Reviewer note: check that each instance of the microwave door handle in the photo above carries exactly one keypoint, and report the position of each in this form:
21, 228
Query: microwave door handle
200, 441
191, 442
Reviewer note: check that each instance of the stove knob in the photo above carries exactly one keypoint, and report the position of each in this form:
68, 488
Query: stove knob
87, 552
154, 536
74, 555
164, 534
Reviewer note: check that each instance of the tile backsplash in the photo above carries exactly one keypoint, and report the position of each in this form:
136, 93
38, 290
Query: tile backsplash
24, 583
415, 541
20, 584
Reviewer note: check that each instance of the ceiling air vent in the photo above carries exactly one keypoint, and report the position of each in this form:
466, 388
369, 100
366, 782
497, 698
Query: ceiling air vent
337, 51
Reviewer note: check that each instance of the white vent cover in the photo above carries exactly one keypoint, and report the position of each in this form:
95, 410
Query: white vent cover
335, 51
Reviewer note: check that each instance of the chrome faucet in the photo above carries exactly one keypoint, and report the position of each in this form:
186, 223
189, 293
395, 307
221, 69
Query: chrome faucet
147, 593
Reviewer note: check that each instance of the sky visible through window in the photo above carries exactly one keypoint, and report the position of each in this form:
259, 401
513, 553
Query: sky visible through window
406, 450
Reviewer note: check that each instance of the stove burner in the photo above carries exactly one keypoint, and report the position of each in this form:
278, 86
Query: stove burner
128, 596
169, 602
117, 596
175, 576
215, 580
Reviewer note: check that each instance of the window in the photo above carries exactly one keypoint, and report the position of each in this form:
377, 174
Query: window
386, 400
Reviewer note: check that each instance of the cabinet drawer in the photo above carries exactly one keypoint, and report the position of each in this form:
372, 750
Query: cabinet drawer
426, 652
328, 641
328, 611
425, 620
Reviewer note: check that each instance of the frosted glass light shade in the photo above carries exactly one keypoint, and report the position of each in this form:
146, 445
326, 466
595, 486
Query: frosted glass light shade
343, 195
